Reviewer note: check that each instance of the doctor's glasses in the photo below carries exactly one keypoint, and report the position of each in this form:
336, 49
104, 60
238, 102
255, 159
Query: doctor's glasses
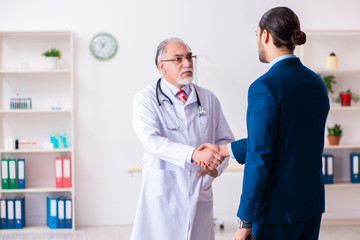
178, 59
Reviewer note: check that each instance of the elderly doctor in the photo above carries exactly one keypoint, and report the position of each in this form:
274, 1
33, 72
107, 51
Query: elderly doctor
176, 199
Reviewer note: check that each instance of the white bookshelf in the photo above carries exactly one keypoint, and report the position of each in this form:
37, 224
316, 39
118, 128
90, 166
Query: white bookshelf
45, 87
345, 44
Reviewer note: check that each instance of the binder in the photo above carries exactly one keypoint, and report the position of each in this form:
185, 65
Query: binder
354, 167
52, 215
19, 212
330, 169
59, 173
10, 214
67, 172
21, 173
4, 174
3, 214
324, 167
68, 213
12, 174
61, 213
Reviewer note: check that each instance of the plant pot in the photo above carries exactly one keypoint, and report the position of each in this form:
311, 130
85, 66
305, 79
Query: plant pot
331, 62
345, 99
334, 140
51, 62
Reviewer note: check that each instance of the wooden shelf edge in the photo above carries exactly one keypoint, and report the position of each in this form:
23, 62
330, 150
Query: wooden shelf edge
37, 190
55, 150
340, 222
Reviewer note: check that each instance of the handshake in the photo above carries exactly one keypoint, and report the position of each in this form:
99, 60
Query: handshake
209, 156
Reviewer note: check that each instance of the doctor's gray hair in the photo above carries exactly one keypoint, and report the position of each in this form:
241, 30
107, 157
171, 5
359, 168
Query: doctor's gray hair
161, 49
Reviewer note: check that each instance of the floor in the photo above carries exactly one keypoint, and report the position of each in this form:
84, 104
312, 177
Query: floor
122, 232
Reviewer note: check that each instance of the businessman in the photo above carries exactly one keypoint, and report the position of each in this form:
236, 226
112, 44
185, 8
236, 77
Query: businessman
283, 187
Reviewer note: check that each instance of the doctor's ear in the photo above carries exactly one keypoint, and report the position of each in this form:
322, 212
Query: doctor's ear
161, 66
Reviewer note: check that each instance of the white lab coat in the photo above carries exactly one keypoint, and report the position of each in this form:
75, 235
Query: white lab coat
174, 203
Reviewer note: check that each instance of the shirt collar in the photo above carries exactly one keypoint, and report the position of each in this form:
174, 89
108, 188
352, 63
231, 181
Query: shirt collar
174, 90
278, 59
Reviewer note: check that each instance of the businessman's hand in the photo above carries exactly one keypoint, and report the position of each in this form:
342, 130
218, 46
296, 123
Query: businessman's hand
222, 149
243, 234
207, 158
212, 173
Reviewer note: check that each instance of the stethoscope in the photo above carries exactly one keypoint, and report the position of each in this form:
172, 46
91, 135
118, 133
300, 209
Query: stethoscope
201, 111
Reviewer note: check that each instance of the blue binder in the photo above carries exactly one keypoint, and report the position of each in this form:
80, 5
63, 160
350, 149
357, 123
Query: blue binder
21, 173
324, 167
19, 212
52, 215
61, 213
10, 213
329, 169
355, 168
68, 213
3, 214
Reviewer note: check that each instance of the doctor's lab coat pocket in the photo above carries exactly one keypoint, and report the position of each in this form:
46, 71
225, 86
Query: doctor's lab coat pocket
160, 183
206, 189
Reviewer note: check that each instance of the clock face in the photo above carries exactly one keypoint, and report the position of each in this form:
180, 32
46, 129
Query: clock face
103, 46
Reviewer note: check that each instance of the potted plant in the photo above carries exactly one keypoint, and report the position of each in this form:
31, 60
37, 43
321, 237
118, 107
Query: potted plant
329, 81
331, 61
334, 134
346, 97
52, 56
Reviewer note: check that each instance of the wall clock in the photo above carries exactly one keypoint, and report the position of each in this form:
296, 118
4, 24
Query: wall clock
103, 46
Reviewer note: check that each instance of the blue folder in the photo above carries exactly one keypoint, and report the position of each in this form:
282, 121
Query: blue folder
19, 212
355, 167
68, 213
329, 169
324, 167
21, 173
10, 204
61, 212
52, 214
3, 214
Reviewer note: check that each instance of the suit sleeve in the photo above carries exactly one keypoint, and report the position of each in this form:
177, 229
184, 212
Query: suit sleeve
262, 117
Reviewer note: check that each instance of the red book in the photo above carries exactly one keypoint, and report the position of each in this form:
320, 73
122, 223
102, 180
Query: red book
59, 173
67, 172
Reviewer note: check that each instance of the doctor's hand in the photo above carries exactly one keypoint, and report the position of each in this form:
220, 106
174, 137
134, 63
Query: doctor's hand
222, 149
207, 158
211, 173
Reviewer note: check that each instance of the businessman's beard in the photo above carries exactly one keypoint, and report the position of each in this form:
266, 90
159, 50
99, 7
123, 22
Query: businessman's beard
262, 54
185, 81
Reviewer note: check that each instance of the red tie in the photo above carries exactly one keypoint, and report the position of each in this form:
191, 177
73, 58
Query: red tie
182, 96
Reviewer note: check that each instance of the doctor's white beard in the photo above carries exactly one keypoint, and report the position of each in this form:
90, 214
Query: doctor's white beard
185, 81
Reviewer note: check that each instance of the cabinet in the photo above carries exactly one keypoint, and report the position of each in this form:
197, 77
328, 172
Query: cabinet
342, 197
23, 74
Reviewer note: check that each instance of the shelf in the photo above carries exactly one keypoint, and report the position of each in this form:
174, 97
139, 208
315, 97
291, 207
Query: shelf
57, 150
339, 108
10, 111
343, 185
35, 71
343, 146
339, 70
36, 190
35, 229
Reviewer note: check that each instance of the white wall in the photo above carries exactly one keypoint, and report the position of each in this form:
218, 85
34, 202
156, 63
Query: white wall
221, 33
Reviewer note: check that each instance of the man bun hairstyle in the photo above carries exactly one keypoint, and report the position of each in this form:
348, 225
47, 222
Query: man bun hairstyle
284, 26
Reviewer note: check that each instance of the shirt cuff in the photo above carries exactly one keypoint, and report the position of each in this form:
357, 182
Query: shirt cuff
188, 158
230, 150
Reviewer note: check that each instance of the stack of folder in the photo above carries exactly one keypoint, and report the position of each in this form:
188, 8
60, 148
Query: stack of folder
63, 172
12, 213
13, 173
59, 212
328, 168
354, 167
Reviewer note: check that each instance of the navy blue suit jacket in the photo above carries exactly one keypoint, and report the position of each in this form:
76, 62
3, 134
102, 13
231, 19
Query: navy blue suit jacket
286, 115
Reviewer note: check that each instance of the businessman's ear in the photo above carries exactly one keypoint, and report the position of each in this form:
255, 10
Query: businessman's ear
265, 36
